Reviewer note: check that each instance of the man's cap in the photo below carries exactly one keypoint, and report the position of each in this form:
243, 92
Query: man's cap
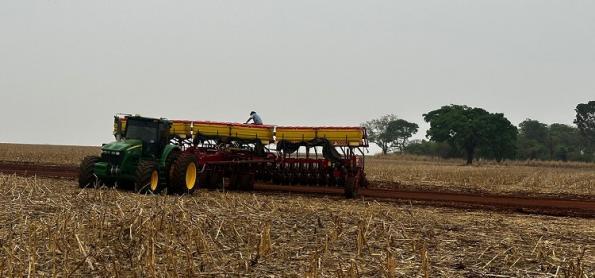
252, 113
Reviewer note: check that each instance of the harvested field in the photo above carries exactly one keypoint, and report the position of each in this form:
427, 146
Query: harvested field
54, 154
554, 179
52, 227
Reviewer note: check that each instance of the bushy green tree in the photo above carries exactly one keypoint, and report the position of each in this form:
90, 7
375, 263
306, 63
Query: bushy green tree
429, 148
400, 131
533, 136
469, 129
585, 121
534, 130
554, 142
563, 142
498, 137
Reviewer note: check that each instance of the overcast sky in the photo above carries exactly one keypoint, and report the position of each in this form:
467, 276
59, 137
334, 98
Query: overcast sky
67, 66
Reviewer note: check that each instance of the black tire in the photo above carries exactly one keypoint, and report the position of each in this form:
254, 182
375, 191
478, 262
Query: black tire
183, 180
351, 187
147, 179
87, 175
169, 162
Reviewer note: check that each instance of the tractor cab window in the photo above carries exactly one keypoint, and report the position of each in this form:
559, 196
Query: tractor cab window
145, 131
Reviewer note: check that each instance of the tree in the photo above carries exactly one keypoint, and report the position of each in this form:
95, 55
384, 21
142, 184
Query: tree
556, 142
390, 132
498, 137
377, 131
566, 143
400, 131
429, 148
534, 130
456, 125
468, 129
585, 121
533, 137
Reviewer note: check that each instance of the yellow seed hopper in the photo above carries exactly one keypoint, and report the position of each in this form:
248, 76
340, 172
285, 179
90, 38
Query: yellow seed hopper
338, 136
262, 133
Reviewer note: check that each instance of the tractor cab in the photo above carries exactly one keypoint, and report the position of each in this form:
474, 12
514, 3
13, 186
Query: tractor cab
152, 133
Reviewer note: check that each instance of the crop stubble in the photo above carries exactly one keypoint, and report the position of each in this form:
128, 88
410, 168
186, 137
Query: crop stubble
52, 227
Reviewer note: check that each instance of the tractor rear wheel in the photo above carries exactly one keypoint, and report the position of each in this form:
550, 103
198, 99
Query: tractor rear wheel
147, 178
184, 178
169, 162
87, 175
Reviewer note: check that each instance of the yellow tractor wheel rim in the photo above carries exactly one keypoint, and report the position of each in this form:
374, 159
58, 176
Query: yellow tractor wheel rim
190, 175
154, 180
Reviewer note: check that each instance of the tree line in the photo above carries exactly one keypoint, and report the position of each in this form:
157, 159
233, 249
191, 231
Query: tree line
460, 131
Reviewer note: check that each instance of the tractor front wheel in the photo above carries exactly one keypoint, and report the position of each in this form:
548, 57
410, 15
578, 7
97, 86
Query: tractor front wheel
184, 174
87, 175
147, 178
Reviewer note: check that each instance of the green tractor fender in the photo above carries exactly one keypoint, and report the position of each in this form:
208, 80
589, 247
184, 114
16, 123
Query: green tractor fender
169, 149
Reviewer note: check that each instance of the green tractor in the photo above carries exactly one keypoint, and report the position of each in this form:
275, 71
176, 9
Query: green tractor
142, 156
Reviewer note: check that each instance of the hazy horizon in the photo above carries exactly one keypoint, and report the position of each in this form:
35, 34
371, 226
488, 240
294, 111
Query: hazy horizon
68, 66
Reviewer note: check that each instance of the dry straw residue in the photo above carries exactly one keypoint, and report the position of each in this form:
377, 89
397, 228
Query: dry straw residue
52, 228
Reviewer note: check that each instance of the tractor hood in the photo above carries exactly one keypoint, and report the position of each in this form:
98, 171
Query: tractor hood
122, 145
